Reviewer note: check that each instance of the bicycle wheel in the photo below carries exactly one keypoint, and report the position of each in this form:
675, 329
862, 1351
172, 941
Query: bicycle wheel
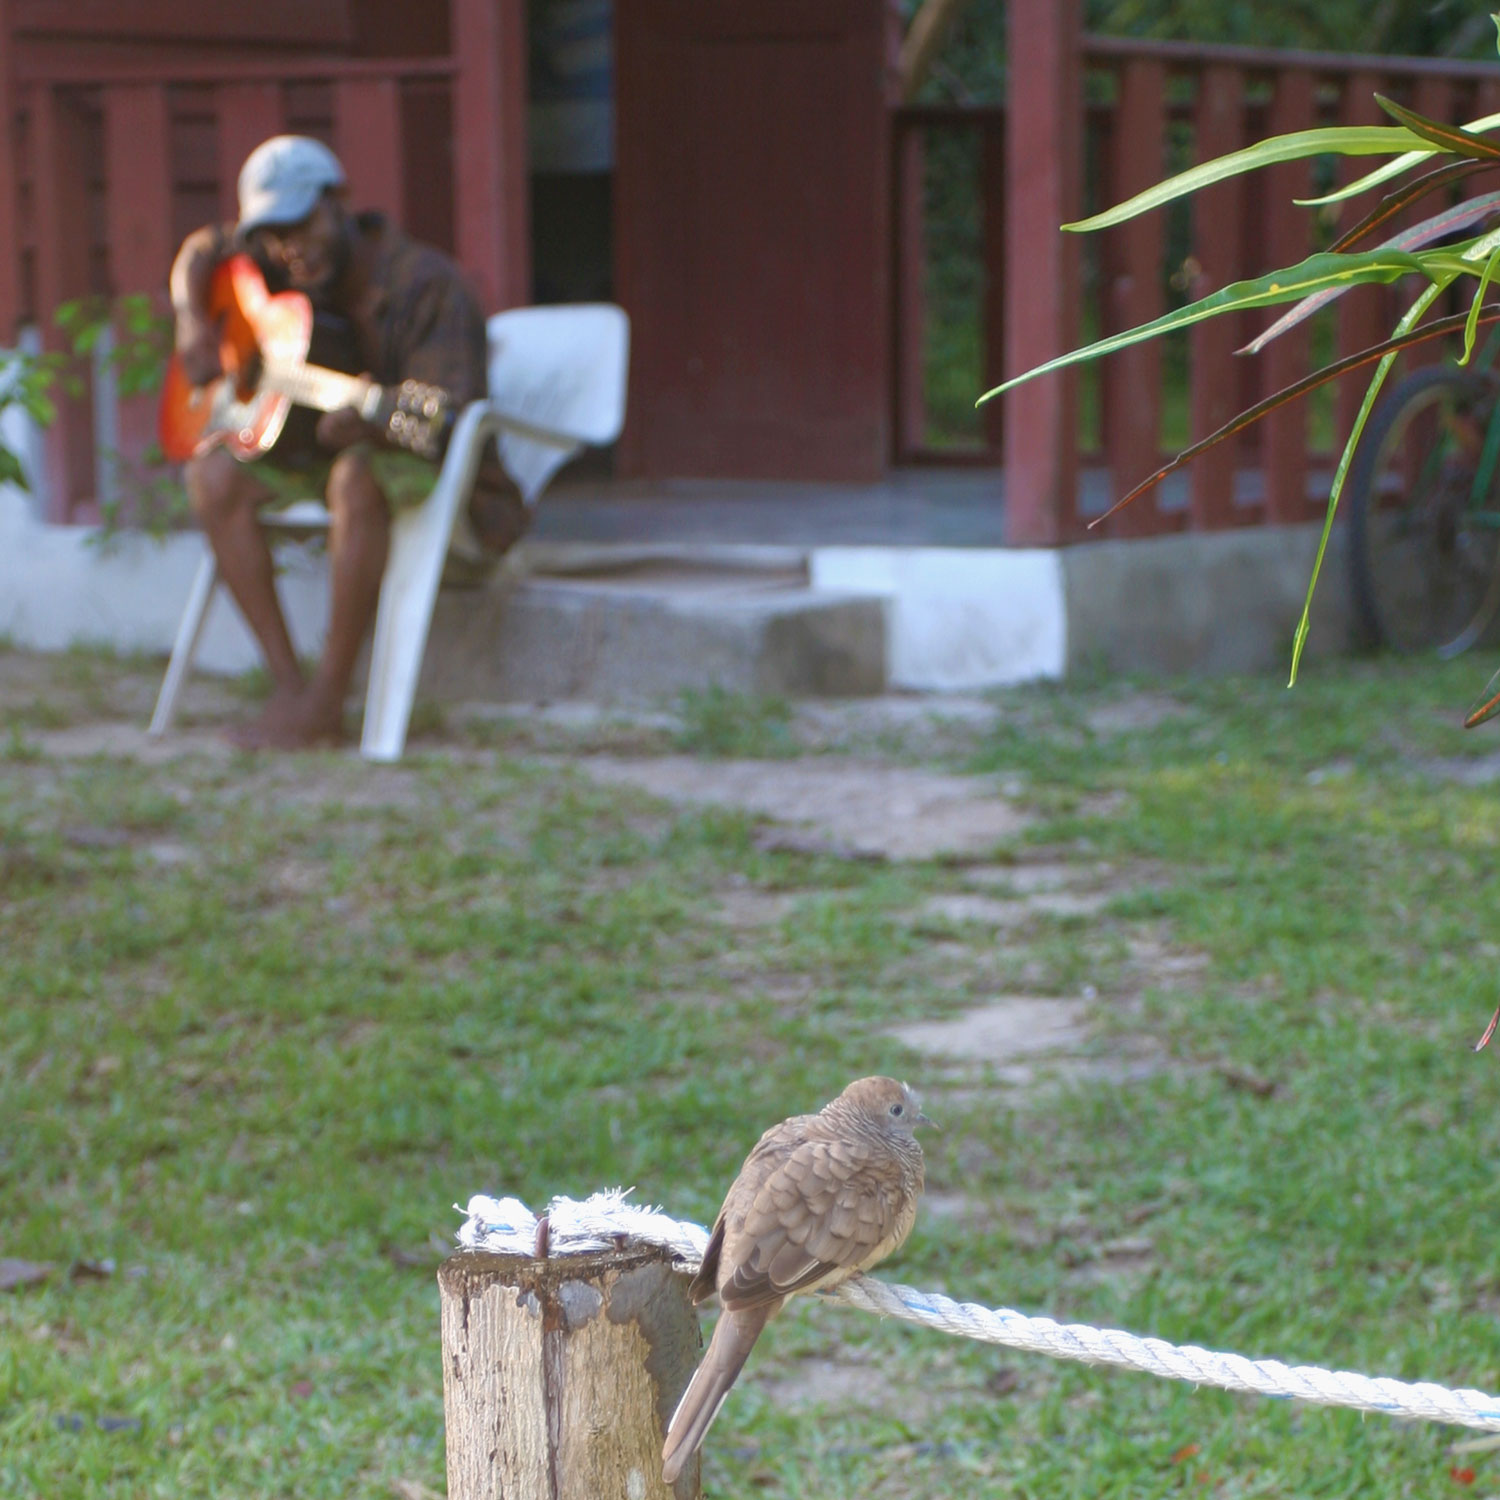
1424, 514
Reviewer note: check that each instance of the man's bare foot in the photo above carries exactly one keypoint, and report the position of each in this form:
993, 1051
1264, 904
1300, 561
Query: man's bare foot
293, 720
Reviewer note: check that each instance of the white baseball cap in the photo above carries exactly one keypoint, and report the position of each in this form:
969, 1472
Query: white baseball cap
283, 178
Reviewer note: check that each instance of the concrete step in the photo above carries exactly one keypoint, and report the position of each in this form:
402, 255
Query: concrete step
613, 624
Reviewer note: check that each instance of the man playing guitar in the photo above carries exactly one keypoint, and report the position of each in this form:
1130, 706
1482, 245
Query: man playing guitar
383, 306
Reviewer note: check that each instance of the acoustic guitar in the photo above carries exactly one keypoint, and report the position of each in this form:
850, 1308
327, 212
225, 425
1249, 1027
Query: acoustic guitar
264, 337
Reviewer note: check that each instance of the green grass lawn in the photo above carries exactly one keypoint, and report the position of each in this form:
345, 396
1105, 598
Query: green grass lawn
262, 1022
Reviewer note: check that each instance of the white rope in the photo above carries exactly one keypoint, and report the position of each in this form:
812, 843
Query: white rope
606, 1220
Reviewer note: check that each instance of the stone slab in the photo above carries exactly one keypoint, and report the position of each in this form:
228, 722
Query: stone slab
643, 634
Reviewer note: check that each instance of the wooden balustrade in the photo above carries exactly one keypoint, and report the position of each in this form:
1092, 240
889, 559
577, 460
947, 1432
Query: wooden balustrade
112, 172
116, 154
1150, 102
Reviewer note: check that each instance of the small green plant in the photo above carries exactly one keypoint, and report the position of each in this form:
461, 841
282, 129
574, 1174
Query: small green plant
18, 748
147, 496
718, 722
142, 340
1413, 141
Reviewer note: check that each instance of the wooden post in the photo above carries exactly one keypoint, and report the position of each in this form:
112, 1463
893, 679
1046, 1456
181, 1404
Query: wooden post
367, 130
1044, 173
61, 166
910, 180
1289, 238
248, 113
1131, 379
492, 230
1362, 312
138, 218
1432, 96
1218, 241
10, 238
559, 1376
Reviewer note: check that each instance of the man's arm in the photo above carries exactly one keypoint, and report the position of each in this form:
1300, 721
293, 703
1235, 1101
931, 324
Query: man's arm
442, 346
195, 337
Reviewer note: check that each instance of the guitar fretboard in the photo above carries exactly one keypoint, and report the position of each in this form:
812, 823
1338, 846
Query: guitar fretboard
310, 385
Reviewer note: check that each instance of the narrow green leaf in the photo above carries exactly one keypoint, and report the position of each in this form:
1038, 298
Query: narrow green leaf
1471, 323
1461, 216
1347, 140
1409, 320
11, 471
1389, 170
1451, 138
1288, 285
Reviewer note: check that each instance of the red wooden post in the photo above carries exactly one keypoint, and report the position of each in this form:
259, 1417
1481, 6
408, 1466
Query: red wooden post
1044, 167
1284, 439
10, 238
1486, 103
249, 113
138, 221
1218, 221
992, 187
1432, 97
1362, 317
911, 277
1132, 378
491, 230
367, 135
60, 191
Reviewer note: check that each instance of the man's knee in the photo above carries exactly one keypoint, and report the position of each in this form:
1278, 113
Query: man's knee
353, 493
217, 485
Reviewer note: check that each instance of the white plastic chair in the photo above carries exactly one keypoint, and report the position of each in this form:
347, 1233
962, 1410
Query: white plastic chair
557, 380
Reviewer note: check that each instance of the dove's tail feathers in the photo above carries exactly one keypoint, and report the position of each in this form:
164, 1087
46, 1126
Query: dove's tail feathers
729, 1348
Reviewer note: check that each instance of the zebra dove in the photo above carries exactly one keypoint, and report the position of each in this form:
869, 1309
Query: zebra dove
820, 1198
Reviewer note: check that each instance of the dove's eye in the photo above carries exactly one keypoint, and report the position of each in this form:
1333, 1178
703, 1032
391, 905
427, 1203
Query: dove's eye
898, 1109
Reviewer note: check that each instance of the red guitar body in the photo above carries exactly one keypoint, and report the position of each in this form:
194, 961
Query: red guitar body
256, 328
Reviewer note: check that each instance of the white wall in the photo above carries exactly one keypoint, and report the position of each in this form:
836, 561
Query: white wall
959, 617
60, 586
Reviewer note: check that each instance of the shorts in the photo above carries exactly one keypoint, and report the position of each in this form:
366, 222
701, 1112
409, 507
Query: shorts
494, 520
404, 479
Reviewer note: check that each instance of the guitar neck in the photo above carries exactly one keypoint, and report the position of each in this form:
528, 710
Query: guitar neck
311, 385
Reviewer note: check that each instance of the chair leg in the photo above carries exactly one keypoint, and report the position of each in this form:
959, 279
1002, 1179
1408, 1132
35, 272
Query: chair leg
413, 570
185, 647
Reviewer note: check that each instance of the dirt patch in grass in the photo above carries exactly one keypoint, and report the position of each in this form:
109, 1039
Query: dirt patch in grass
1002, 1031
747, 909
130, 741
849, 1385
1136, 712
962, 907
886, 812
1023, 1042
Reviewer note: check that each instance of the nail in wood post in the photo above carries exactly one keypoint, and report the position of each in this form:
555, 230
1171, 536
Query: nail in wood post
559, 1376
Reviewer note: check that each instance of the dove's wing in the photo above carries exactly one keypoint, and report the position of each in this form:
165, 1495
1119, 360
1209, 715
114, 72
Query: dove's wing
830, 1208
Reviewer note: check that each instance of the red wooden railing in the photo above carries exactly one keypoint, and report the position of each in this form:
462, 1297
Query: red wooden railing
129, 126
1154, 108
109, 174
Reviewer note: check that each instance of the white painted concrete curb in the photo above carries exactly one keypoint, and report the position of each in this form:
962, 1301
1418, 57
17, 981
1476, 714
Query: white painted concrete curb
59, 587
959, 617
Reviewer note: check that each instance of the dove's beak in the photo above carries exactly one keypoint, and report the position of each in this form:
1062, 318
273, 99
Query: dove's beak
923, 1120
